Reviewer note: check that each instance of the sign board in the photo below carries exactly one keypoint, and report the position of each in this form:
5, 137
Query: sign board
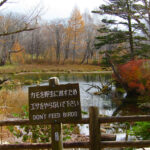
54, 104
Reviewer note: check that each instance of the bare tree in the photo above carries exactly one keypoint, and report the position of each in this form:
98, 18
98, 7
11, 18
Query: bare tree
89, 36
13, 24
67, 42
57, 29
24, 23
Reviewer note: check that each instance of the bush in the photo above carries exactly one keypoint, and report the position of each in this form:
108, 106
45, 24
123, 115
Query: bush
141, 130
136, 75
38, 133
95, 62
104, 63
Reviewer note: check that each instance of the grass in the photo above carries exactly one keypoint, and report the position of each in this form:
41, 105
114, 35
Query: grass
11, 101
13, 69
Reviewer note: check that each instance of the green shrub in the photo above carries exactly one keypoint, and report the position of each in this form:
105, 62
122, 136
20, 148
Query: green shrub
38, 133
141, 130
95, 62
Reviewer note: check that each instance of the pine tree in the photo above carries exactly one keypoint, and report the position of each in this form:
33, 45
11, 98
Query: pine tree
121, 29
142, 18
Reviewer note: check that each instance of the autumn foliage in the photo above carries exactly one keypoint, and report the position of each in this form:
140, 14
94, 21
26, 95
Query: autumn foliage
136, 75
19, 56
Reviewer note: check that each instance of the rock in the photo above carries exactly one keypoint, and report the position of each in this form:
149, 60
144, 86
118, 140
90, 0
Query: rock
145, 106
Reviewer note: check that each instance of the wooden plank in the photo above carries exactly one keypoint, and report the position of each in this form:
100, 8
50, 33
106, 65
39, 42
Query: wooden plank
60, 102
56, 129
57, 141
94, 128
42, 146
24, 146
76, 145
108, 137
121, 144
27, 122
84, 120
134, 144
124, 119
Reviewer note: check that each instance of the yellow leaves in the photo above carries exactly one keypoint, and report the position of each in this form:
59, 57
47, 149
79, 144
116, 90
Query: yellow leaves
16, 46
76, 28
76, 22
19, 55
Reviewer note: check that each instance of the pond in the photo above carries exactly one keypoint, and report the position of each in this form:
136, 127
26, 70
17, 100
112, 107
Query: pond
106, 103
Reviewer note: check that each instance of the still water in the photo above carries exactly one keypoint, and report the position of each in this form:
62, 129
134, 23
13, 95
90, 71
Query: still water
104, 102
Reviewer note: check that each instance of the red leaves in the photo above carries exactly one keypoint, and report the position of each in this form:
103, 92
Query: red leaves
136, 75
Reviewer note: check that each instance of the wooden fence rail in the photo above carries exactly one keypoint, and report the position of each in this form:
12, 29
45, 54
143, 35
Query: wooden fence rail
94, 122
104, 144
84, 120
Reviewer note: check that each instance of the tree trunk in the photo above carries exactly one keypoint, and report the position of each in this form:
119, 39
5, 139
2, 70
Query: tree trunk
66, 55
130, 31
84, 58
87, 53
74, 49
9, 57
115, 72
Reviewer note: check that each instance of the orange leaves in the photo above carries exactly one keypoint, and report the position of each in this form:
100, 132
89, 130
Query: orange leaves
131, 71
135, 75
139, 87
76, 25
19, 55
76, 22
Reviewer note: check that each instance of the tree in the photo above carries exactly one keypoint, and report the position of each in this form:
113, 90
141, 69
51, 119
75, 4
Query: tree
25, 26
57, 31
142, 16
135, 17
136, 76
67, 42
12, 25
89, 36
17, 53
122, 12
76, 25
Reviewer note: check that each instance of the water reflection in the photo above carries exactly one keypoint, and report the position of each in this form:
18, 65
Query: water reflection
104, 102
64, 77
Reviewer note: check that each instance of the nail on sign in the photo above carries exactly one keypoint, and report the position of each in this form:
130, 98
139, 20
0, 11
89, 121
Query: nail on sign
54, 104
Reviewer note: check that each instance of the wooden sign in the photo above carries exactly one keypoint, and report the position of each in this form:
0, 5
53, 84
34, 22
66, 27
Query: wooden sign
54, 104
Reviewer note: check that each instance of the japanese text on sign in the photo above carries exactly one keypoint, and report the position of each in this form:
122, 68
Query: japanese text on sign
54, 104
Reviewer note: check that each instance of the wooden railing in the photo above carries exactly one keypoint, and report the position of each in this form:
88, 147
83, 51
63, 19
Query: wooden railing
94, 143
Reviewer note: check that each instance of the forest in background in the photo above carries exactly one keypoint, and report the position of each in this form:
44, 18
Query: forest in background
121, 34
58, 41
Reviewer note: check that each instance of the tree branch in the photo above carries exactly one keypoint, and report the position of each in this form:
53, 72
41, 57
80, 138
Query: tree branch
3, 2
17, 31
15, 51
116, 72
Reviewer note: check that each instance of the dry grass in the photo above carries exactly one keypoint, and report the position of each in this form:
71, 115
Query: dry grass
49, 68
12, 102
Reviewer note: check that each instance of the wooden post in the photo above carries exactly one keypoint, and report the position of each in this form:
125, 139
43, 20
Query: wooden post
57, 143
94, 129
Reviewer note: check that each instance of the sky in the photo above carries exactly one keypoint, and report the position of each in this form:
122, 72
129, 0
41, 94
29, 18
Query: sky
51, 9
